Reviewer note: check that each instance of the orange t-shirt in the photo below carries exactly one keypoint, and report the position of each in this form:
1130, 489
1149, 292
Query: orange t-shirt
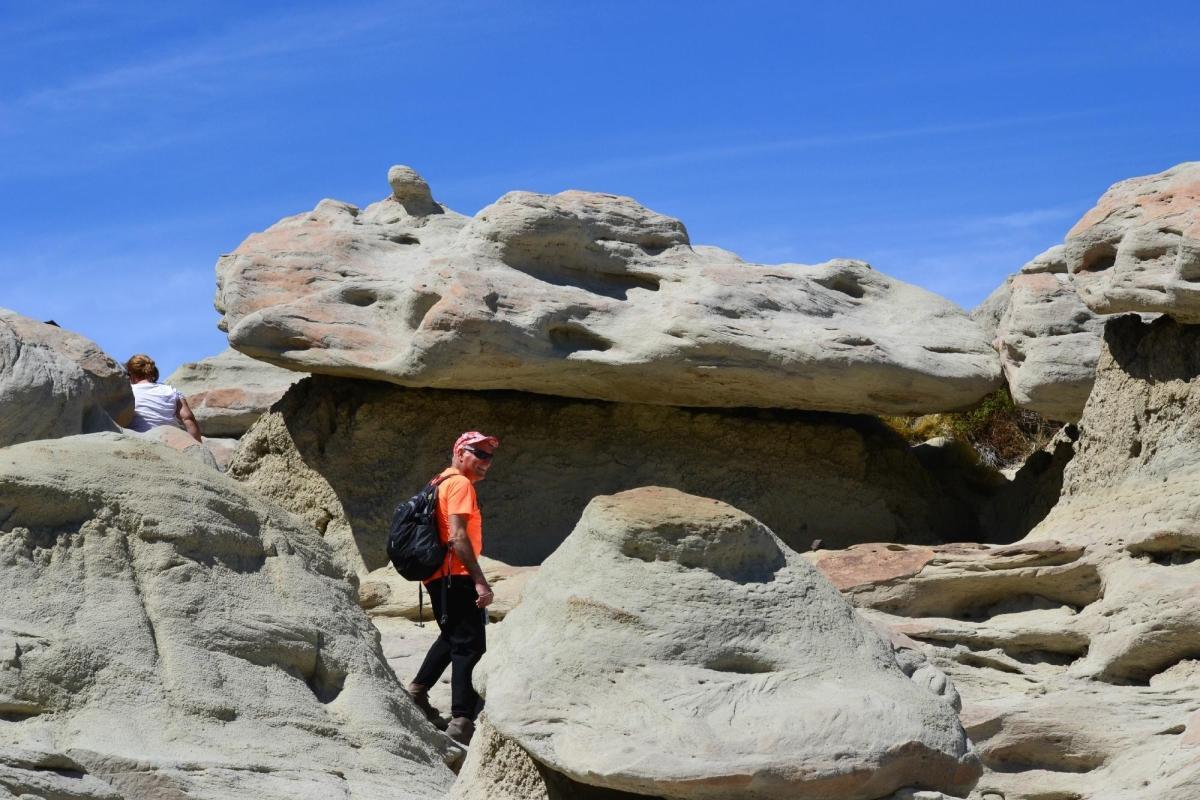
456, 495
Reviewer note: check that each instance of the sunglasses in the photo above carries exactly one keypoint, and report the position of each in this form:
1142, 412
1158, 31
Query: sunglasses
482, 455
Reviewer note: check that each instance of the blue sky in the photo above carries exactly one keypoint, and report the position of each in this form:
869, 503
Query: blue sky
945, 145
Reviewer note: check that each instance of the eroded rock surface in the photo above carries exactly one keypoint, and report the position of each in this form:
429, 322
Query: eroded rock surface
164, 633
56, 383
1048, 340
674, 647
1077, 650
587, 295
342, 453
229, 391
1139, 248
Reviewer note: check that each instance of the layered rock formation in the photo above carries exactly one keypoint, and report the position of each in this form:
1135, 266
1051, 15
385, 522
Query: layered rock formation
343, 453
165, 633
674, 647
56, 383
1077, 651
592, 296
229, 391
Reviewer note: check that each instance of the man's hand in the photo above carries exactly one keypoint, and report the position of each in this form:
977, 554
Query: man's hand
485, 595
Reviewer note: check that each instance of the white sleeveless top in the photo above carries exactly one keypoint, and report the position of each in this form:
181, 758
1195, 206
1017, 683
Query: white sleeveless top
153, 405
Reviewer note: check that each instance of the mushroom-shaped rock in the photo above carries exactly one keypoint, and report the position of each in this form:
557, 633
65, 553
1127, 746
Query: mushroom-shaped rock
1139, 248
56, 383
166, 633
674, 647
590, 295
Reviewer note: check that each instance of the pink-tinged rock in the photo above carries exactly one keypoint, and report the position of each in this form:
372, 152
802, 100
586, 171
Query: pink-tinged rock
229, 391
1139, 248
1048, 340
588, 295
56, 383
870, 563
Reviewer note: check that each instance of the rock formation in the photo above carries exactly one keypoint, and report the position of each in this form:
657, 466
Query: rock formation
1139, 248
164, 633
674, 647
56, 383
1077, 650
227, 392
342, 453
592, 296
1048, 340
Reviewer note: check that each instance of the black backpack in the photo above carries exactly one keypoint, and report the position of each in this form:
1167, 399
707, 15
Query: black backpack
413, 544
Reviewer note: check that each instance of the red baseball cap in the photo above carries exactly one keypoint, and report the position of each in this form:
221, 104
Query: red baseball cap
475, 437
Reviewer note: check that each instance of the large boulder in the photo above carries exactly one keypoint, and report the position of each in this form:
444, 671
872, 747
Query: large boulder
1098, 608
342, 453
165, 633
592, 296
228, 391
674, 647
1048, 340
1139, 248
56, 383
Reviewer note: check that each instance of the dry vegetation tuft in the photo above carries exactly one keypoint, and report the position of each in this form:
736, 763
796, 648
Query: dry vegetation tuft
1002, 434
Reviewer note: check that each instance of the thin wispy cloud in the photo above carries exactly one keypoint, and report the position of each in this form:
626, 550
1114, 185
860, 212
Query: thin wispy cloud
688, 156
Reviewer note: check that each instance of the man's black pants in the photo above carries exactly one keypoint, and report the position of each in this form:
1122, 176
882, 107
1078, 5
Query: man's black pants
461, 643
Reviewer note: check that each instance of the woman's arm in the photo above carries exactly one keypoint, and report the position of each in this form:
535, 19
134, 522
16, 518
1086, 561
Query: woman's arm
184, 412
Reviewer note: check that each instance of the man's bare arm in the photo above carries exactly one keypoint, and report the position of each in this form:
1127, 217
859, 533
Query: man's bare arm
460, 543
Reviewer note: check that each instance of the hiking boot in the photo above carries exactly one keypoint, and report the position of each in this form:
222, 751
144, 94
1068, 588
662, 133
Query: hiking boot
461, 729
420, 696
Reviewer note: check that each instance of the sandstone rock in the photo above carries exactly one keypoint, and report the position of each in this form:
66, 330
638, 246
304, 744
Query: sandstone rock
591, 296
1048, 340
227, 392
56, 383
988, 313
672, 646
222, 450
1013, 627
182, 442
1139, 248
1075, 650
343, 453
166, 634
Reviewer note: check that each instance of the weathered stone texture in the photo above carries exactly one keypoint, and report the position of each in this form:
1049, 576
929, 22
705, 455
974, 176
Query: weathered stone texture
1139, 248
592, 296
343, 453
165, 633
56, 383
229, 391
1077, 650
673, 646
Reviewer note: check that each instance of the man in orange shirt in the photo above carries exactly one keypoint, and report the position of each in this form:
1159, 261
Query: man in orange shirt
459, 588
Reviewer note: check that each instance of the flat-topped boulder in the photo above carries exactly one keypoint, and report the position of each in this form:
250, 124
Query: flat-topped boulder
588, 295
165, 633
674, 647
228, 391
1139, 248
56, 383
